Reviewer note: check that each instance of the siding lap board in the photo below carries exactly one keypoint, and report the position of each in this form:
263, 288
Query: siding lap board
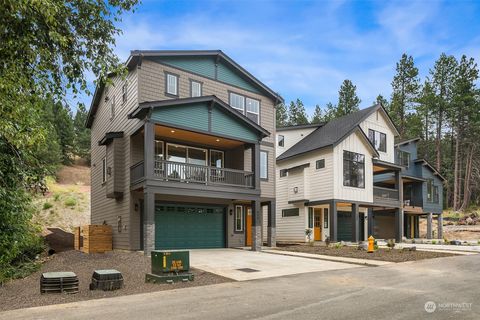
193, 115
227, 125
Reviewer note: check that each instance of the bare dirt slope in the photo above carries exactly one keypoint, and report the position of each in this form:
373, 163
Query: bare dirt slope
65, 206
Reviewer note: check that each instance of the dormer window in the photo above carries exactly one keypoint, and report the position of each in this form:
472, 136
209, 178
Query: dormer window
378, 139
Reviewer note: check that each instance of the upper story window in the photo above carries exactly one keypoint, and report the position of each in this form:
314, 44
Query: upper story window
247, 106
195, 88
104, 169
171, 84
281, 141
320, 164
353, 169
283, 173
264, 165
403, 158
378, 139
124, 93
112, 108
432, 192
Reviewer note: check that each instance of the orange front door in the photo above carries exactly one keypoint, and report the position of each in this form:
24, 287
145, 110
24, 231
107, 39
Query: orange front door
248, 226
317, 225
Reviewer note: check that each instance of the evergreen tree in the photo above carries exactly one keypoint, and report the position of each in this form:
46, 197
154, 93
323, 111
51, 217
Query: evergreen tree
82, 134
330, 112
63, 123
381, 100
317, 115
405, 87
348, 101
297, 114
281, 115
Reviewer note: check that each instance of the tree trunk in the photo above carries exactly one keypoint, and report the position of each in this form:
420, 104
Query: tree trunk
439, 140
466, 184
455, 173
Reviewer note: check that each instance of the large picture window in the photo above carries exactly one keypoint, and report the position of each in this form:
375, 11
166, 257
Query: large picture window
353, 169
378, 139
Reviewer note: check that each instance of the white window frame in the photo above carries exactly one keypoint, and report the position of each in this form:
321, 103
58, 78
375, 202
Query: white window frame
104, 169
223, 157
168, 90
264, 177
247, 99
242, 98
241, 217
192, 83
283, 140
244, 109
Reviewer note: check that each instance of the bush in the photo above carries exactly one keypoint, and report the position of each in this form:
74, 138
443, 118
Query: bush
56, 197
434, 241
391, 243
338, 245
70, 202
47, 205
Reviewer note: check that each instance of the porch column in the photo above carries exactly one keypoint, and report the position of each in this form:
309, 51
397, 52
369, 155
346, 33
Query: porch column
271, 224
429, 225
440, 226
257, 220
399, 211
333, 221
355, 222
149, 149
256, 164
417, 227
370, 222
148, 221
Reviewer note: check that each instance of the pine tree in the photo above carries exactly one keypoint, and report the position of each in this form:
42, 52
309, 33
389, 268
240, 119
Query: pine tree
381, 100
281, 115
317, 115
330, 112
297, 113
63, 124
82, 134
405, 87
348, 101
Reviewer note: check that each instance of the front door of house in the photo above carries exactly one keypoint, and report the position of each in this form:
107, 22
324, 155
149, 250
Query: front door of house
248, 226
317, 225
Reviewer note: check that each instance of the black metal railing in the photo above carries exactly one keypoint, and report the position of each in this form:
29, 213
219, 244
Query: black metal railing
137, 172
386, 194
194, 173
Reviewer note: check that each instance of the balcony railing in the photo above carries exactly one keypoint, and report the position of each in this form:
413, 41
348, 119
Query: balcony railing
194, 173
385, 194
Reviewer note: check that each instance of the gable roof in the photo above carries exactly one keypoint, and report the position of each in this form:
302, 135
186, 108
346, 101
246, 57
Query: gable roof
144, 108
300, 126
332, 133
432, 168
136, 57
401, 143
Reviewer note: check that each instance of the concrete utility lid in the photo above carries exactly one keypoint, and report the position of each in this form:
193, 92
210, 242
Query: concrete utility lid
107, 271
51, 275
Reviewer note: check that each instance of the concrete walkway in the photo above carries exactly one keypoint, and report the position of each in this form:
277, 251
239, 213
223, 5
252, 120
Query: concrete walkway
364, 262
244, 265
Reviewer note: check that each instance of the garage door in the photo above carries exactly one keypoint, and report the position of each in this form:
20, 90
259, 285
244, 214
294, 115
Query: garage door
344, 221
189, 227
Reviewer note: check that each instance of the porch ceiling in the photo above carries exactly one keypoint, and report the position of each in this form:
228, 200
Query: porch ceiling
180, 135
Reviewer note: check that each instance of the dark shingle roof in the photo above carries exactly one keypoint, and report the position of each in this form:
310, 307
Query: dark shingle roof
330, 134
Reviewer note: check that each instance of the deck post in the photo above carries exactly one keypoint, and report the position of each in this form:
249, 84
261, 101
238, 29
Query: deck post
271, 225
256, 165
429, 225
355, 222
257, 220
333, 221
440, 226
149, 149
399, 216
370, 222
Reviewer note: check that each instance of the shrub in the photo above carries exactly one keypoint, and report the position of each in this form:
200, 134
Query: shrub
70, 202
47, 205
56, 197
391, 243
338, 245
434, 241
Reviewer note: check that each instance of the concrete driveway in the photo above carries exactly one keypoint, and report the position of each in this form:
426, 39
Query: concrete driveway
244, 265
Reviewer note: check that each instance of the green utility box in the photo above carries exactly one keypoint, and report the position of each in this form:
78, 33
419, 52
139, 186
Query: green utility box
170, 261
169, 266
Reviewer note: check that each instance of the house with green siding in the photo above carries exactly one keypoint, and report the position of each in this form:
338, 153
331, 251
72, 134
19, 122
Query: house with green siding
183, 153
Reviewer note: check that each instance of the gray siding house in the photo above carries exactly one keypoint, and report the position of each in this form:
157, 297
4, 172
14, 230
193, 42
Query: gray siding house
183, 153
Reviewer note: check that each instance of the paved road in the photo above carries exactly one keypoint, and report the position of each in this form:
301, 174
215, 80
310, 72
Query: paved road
397, 291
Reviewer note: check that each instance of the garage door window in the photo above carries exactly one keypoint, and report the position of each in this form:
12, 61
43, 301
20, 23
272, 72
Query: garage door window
238, 218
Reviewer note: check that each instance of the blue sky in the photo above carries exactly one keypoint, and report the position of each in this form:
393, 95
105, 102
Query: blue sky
306, 49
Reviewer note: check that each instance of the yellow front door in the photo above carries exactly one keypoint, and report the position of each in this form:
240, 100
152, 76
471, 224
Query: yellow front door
317, 225
248, 226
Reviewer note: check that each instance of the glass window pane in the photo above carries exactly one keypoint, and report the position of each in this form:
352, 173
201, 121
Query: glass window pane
281, 141
171, 84
237, 101
253, 105
253, 117
158, 150
196, 89
177, 153
197, 156
216, 158
263, 165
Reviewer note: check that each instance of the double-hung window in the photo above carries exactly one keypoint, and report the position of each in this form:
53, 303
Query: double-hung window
263, 165
403, 158
247, 106
238, 218
195, 88
378, 139
353, 169
171, 84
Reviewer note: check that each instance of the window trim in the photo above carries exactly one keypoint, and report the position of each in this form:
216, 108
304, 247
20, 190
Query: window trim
266, 167
177, 77
191, 87
399, 158
104, 170
325, 218
282, 141
433, 199
283, 173
373, 142
284, 211
343, 163
242, 219
210, 157
310, 217
320, 161
244, 111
